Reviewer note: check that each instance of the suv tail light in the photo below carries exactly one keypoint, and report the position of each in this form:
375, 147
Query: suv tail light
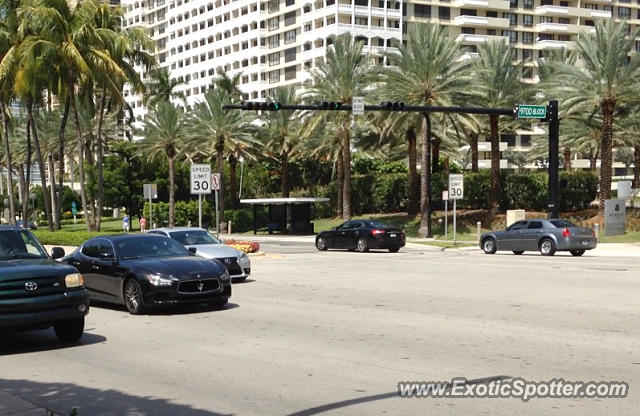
566, 233
593, 232
377, 233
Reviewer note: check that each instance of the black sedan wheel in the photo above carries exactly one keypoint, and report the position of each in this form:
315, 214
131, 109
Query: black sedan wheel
489, 245
394, 249
133, 297
219, 303
576, 253
518, 252
69, 330
547, 247
321, 244
362, 245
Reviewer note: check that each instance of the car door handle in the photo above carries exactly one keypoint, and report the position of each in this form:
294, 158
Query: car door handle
94, 267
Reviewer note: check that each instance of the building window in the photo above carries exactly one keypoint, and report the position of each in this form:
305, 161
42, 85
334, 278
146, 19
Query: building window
444, 13
527, 73
290, 36
527, 53
509, 138
491, 13
468, 30
527, 20
513, 4
274, 58
563, 20
511, 34
274, 41
290, 55
421, 10
468, 12
527, 4
289, 2
624, 12
290, 18
525, 140
274, 76
362, 21
527, 38
274, 23
290, 72
511, 17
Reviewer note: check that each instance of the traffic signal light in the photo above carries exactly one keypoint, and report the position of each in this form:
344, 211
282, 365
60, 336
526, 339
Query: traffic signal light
259, 105
392, 105
329, 105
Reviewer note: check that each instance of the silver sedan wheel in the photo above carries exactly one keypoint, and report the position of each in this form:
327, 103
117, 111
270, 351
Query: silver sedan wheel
489, 246
547, 247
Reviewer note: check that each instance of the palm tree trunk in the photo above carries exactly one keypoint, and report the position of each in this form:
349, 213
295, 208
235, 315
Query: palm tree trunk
435, 150
495, 169
233, 181
52, 187
83, 191
425, 180
636, 166
61, 156
43, 179
567, 158
25, 207
593, 159
171, 191
100, 152
474, 152
340, 183
22, 187
608, 107
7, 153
346, 158
412, 206
284, 159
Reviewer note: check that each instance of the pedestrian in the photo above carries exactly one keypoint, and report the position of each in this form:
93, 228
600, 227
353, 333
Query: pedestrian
143, 224
125, 223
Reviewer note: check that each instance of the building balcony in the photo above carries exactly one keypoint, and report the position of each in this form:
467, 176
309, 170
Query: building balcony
601, 13
559, 28
472, 39
554, 44
360, 30
481, 21
381, 12
483, 4
552, 10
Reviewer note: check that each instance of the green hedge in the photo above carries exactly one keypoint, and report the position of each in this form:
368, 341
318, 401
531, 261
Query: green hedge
389, 192
66, 238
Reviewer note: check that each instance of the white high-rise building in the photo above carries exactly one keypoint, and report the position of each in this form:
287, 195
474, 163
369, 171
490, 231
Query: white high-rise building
271, 43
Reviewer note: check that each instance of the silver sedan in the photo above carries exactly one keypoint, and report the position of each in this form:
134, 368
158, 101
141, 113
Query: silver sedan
546, 236
207, 246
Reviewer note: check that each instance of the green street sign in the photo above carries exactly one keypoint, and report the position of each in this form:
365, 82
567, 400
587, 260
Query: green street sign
74, 208
532, 111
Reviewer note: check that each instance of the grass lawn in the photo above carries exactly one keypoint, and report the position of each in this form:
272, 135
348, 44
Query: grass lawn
628, 237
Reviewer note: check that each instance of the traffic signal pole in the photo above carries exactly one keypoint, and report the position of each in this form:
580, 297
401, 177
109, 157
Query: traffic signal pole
554, 149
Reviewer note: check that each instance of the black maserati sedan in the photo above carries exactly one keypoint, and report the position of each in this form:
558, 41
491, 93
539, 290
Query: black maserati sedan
144, 270
362, 235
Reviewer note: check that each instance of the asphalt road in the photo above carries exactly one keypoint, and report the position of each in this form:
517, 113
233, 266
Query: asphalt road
334, 332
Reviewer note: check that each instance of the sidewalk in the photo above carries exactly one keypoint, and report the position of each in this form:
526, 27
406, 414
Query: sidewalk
13, 406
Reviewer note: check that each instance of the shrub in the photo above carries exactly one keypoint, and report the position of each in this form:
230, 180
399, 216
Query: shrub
525, 191
577, 190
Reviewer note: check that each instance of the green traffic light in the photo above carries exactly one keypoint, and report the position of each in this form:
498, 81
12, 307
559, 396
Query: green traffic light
276, 106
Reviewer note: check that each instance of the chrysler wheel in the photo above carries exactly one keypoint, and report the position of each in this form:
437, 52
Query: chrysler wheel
547, 247
489, 245
577, 252
362, 245
133, 297
321, 244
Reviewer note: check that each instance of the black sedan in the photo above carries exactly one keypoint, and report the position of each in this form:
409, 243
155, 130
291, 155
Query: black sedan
362, 235
142, 270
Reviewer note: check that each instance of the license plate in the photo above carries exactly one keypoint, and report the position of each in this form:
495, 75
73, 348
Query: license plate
392, 235
585, 242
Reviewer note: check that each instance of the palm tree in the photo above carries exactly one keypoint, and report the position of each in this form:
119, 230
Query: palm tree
217, 131
75, 51
344, 74
428, 71
161, 87
281, 131
606, 80
229, 84
497, 84
165, 135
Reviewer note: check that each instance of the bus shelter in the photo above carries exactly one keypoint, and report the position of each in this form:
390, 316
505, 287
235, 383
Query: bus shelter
285, 215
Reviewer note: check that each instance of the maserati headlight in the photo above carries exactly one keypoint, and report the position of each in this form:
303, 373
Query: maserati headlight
225, 275
243, 257
74, 280
157, 280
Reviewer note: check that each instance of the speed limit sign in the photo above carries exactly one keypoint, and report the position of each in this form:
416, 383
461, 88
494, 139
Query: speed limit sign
200, 179
456, 186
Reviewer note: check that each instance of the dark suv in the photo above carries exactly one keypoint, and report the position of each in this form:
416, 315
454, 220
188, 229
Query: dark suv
37, 292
